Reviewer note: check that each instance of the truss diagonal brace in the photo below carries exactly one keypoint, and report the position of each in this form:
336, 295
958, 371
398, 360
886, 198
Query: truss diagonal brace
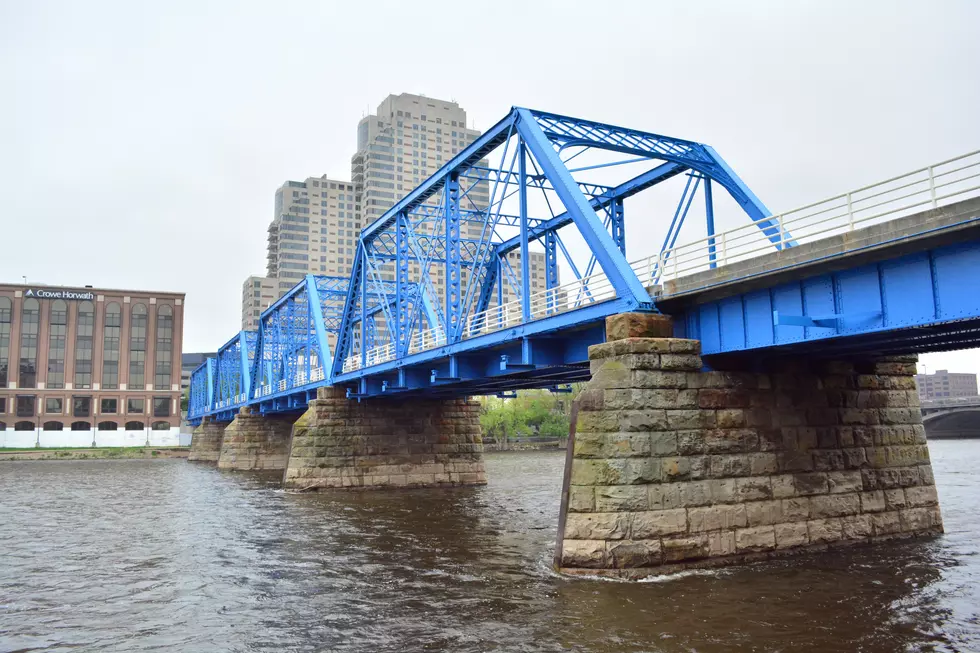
614, 264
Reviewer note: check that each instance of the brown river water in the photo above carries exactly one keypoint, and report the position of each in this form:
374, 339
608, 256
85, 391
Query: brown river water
173, 556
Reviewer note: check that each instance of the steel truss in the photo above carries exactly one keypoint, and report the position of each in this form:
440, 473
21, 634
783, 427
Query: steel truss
440, 298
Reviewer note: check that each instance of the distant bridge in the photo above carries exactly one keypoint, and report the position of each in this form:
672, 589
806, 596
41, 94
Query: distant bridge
885, 268
954, 417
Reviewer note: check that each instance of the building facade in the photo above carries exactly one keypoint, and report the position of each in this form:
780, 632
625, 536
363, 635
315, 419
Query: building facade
316, 222
90, 365
943, 384
257, 294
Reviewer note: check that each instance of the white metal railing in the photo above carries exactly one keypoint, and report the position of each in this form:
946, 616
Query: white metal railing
930, 187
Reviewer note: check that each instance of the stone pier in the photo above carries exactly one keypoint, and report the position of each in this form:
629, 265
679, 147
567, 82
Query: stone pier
255, 442
206, 441
339, 443
675, 467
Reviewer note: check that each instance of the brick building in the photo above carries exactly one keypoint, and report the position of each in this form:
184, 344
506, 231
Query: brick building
89, 365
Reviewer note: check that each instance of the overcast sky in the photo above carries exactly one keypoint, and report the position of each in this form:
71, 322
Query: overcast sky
141, 143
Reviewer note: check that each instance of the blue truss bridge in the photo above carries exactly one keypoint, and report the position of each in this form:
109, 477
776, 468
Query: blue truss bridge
440, 301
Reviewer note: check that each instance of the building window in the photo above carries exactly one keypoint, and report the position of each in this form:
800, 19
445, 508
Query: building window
57, 337
161, 406
160, 426
28, 344
24, 426
54, 406
81, 426
53, 426
5, 317
26, 406
136, 406
134, 426
109, 406
137, 347
3, 406
164, 347
110, 347
108, 426
81, 406
83, 345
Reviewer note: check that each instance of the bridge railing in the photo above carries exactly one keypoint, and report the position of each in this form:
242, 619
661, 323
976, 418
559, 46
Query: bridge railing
930, 187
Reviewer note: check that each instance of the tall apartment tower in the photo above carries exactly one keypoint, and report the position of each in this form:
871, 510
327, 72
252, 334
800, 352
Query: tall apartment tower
316, 222
312, 232
407, 140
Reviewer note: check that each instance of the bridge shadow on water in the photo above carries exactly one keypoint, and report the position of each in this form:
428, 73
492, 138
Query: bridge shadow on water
470, 569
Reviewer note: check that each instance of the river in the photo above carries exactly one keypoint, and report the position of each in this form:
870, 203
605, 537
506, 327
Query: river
172, 556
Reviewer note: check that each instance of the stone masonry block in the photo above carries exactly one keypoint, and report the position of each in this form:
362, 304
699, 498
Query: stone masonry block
589, 554
690, 547
632, 554
791, 535
711, 518
760, 538
621, 498
638, 325
597, 526
659, 523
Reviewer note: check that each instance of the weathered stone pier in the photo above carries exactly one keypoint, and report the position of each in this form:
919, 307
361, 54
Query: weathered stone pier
675, 467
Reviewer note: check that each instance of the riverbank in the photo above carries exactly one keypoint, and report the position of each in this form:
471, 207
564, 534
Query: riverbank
93, 453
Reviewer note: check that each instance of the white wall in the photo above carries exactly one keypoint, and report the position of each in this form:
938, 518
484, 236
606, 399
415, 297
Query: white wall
169, 438
11, 439
64, 438
120, 438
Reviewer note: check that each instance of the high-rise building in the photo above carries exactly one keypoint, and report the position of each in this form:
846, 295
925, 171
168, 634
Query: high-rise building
942, 384
316, 222
257, 294
406, 141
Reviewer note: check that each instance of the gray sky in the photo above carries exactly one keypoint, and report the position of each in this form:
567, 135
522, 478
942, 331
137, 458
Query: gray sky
141, 143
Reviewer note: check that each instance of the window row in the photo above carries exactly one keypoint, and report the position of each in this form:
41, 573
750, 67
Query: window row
81, 406
87, 426
84, 334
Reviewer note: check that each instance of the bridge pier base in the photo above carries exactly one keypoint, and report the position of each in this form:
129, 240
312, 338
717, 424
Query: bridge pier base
206, 441
255, 442
674, 467
340, 443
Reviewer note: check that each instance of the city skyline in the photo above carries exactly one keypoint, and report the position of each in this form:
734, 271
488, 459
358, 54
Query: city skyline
137, 154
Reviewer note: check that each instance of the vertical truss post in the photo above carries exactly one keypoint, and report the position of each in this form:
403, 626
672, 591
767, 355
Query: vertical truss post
245, 385
618, 223
401, 284
525, 257
452, 274
319, 324
709, 214
551, 268
211, 382
363, 294
500, 291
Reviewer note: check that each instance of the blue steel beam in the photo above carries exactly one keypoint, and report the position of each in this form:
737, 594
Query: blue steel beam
612, 261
